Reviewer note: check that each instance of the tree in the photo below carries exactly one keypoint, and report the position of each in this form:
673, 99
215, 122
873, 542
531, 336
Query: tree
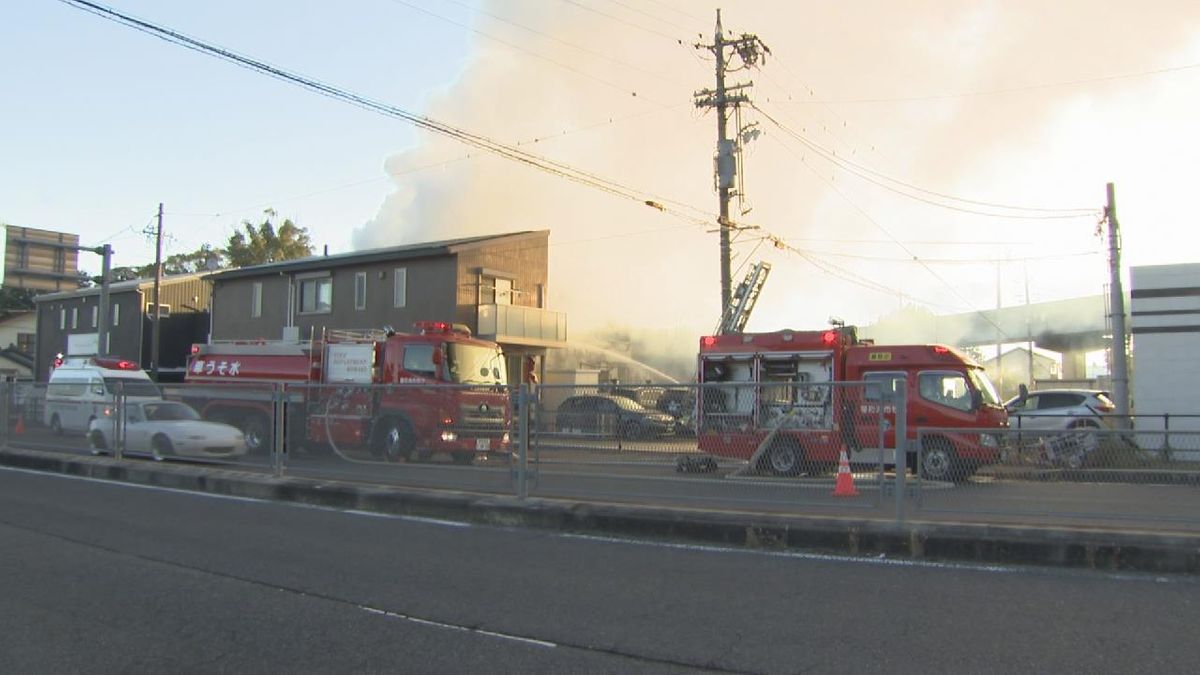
16, 299
263, 243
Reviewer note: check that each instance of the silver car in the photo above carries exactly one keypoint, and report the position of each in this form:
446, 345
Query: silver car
162, 429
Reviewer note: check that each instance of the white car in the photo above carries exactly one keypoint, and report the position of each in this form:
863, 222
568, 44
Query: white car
1057, 409
163, 429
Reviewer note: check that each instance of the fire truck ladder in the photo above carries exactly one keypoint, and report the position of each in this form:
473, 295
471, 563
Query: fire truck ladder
742, 303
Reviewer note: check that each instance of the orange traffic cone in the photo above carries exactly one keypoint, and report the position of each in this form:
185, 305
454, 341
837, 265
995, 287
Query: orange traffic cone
20, 428
845, 479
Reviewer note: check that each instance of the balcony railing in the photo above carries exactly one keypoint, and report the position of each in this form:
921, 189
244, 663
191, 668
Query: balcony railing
522, 325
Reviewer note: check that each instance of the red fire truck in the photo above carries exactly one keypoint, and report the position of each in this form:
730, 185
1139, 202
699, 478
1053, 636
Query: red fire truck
781, 385
401, 396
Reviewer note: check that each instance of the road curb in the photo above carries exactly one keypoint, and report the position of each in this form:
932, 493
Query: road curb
913, 540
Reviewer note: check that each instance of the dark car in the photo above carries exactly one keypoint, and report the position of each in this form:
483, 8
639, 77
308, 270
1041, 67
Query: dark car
608, 415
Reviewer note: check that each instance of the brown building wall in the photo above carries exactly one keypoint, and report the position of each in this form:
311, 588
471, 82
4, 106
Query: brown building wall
522, 259
429, 296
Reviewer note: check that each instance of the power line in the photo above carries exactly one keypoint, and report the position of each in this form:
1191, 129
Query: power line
890, 184
1017, 90
510, 152
512, 45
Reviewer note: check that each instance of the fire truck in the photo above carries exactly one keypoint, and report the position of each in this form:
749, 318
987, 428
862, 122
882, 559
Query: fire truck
791, 401
400, 396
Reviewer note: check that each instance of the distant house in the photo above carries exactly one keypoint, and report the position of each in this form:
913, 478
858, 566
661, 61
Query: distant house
1013, 369
18, 333
496, 285
67, 323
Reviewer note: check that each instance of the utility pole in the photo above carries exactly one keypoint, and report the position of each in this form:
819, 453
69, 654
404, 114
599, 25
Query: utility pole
106, 252
156, 329
1120, 337
750, 50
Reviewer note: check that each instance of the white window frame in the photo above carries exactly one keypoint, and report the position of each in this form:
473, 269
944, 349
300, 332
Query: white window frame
360, 290
400, 287
74, 318
256, 291
317, 280
62, 318
116, 314
95, 315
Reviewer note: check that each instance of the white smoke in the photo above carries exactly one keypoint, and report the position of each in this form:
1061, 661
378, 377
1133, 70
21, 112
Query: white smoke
614, 261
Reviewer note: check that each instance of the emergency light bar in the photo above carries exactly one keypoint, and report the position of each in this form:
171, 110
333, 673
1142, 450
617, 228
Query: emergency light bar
115, 364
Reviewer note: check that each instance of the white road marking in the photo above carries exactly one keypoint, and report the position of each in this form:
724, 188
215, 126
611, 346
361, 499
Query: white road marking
451, 626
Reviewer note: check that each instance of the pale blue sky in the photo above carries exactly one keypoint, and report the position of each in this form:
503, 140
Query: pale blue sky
101, 122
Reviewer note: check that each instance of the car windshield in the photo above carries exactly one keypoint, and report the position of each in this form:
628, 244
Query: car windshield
168, 412
473, 364
628, 404
986, 390
130, 386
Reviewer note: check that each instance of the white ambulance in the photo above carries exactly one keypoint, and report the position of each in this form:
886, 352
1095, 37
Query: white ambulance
84, 388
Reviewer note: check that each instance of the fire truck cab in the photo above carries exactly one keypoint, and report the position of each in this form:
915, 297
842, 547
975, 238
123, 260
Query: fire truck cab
814, 393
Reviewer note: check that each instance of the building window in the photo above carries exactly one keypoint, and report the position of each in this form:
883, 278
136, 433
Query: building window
360, 290
74, 318
316, 295
400, 287
504, 291
62, 319
116, 319
25, 342
95, 315
256, 300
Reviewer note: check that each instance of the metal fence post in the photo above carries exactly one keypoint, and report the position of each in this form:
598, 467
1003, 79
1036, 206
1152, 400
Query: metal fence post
900, 403
524, 403
119, 411
6, 408
277, 426
1166, 437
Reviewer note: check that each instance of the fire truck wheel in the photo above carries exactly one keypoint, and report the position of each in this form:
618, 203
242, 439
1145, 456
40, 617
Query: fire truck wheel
257, 433
395, 440
463, 458
784, 458
938, 461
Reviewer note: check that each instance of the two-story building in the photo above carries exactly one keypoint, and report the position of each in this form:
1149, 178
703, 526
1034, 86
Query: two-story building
68, 322
496, 285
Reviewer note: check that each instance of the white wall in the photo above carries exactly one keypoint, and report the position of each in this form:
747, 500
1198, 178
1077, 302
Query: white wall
1165, 312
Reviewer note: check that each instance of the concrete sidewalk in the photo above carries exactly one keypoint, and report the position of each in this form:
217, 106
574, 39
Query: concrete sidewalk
1079, 547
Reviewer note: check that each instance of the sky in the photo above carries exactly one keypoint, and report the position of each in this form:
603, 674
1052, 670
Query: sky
1019, 103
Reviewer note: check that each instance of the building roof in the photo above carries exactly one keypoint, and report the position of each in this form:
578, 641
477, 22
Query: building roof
117, 287
392, 253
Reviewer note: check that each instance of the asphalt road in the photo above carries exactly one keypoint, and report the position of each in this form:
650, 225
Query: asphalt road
106, 577
644, 474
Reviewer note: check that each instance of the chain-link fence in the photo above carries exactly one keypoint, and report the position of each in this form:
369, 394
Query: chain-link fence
791, 447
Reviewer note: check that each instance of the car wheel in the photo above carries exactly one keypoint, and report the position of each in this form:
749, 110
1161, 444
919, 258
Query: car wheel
96, 440
463, 458
938, 461
395, 441
160, 447
784, 458
257, 433
56, 425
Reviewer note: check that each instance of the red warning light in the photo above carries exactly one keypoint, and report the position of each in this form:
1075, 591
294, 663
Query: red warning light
708, 341
829, 337
941, 349
195, 349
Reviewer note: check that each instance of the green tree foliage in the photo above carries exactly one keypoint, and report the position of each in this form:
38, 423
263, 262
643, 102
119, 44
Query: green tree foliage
264, 243
12, 299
